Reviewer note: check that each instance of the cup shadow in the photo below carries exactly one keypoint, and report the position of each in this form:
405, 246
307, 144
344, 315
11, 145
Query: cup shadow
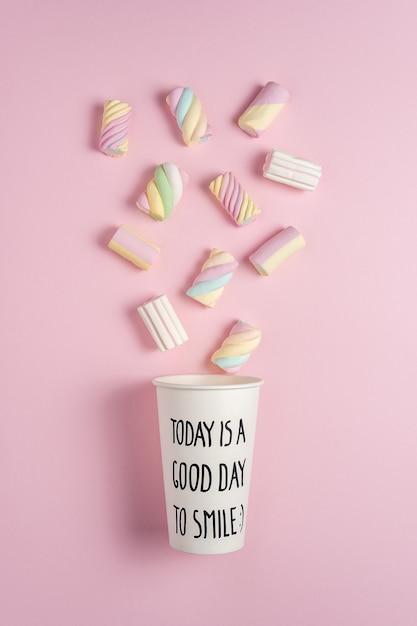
132, 432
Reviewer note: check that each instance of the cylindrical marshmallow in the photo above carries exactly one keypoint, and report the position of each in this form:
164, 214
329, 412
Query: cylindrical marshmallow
237, 347
162, 323
163, 192
216, 272
286, 168
234, 199
114, 128
276, 250
191, 120
134, 247
263, 110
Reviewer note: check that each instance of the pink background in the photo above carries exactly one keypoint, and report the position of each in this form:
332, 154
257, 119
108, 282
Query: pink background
331, 535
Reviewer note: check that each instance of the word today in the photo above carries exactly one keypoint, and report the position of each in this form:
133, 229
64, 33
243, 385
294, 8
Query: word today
205, 434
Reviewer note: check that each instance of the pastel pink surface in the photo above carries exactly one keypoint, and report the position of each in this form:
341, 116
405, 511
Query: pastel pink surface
330, 537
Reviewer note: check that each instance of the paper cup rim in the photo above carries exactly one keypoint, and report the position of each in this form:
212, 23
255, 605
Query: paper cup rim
207, 381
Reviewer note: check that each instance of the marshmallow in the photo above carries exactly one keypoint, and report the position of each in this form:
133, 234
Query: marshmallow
276, 250
162, 323
234, 199
114, 128
237, 347
163, 192
133, 247
286, 168
216, 272
263, 110
186, 108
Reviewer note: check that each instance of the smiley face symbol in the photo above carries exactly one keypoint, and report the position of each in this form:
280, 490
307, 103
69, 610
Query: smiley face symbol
242, 517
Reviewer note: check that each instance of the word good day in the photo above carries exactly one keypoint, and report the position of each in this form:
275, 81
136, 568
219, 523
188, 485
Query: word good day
202, 477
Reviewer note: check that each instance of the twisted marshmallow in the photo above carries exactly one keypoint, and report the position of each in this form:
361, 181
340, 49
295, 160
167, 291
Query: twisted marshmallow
114, 128
163, 192
237, 347
216, 272
186, 108
234, 199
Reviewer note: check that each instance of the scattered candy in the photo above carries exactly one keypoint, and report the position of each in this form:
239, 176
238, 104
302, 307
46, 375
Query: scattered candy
134, 247
163, 192
114, 128
286, 168
162, 323
237, 347
234, 199
186, 108
276, 250
263, 110
216, 272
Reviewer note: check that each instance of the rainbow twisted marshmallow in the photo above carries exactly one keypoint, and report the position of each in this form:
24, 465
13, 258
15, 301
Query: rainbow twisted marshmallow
162, 323
186, 108
291, 170
234, 199
114, 128
237, 347
133, 247
216, 272
163, 192
276, 250
263, 110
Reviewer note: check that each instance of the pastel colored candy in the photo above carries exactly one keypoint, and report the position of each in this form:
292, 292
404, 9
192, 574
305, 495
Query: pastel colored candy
191, 120
216, 272
163, 192
237, 347
234, 199
263, 109
134, 247
162, 323
114, 128
288, 169
276, 250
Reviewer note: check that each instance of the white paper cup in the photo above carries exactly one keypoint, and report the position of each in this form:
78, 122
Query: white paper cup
207, 428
